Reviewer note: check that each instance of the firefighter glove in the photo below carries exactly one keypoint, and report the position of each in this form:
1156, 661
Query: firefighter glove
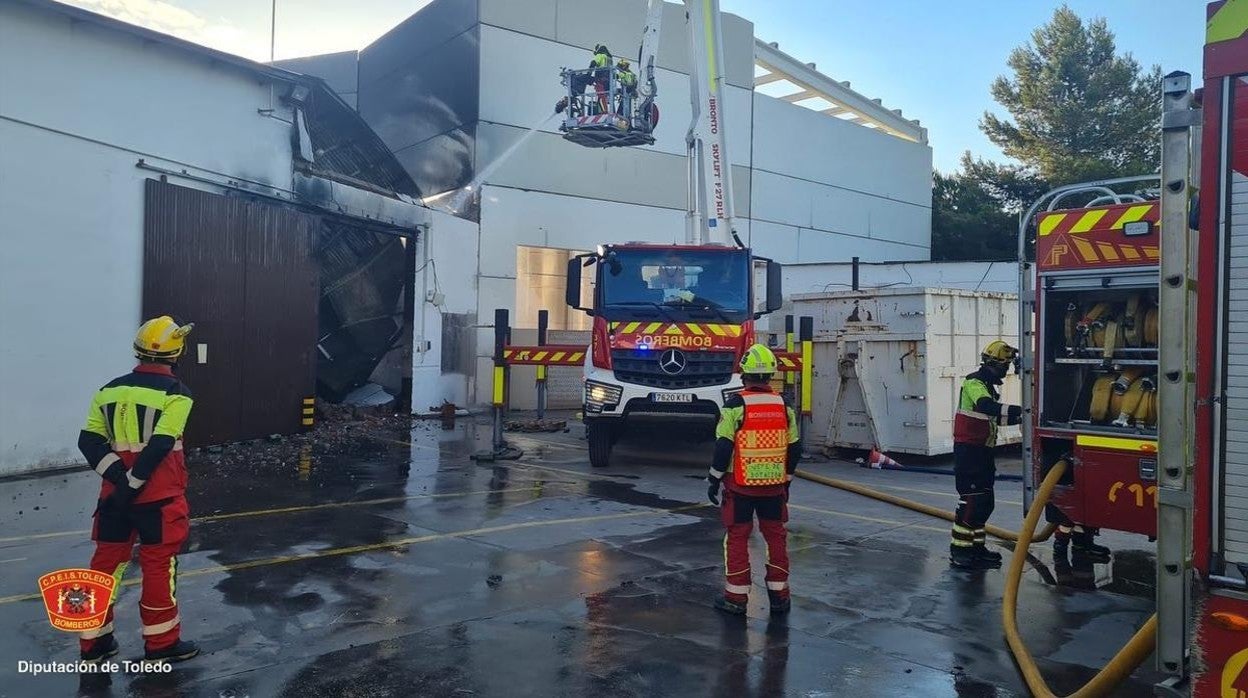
120, 500
712, 490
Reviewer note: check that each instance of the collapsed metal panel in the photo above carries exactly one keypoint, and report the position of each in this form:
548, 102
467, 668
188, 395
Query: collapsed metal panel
361, 311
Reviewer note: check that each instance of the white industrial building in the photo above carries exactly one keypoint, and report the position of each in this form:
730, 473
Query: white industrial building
115, 141
822, 173
140, 175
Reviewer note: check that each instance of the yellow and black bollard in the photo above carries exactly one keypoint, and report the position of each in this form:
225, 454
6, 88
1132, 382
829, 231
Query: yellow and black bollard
806, 333
790, 378
501, 331
543, 321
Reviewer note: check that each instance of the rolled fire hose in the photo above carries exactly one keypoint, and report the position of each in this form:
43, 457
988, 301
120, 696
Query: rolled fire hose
1135, 403
920, 507
1132, 325
1085, 330
1102, 395
1111, 337
1132, 654
1150, 327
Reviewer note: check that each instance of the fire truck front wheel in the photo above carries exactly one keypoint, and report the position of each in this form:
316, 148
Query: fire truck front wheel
601, 435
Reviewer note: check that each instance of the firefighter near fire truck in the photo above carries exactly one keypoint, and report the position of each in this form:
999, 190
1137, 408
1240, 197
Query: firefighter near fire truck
979, 415
757, 448
133, 439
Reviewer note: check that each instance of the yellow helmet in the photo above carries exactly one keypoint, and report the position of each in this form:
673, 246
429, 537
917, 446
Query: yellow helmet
623, 63
998, 352
161, 339
758, 361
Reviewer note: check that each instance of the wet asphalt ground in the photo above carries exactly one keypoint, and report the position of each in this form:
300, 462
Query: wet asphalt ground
392, 564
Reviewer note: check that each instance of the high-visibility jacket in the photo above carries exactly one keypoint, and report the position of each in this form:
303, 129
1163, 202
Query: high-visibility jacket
757, 431
600, 60
980, 411
628, 78
133, 434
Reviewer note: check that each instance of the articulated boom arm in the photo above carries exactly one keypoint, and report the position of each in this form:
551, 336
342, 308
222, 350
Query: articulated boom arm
711, 213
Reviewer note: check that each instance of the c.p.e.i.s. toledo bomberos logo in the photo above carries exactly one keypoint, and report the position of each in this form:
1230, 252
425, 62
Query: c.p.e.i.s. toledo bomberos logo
77, 599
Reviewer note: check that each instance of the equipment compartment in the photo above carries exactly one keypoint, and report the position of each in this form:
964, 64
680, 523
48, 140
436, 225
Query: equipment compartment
1099, 356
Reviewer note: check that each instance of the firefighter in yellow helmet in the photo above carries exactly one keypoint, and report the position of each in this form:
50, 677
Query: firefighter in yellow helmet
756, 451
133, 439
628, 83
975, 425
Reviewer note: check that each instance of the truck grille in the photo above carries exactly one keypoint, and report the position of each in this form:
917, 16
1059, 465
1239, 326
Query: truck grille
703, 368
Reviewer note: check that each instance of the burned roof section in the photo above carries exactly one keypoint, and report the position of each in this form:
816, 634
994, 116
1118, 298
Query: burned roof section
343, 144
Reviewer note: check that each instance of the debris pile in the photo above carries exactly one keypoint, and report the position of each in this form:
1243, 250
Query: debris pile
535, 425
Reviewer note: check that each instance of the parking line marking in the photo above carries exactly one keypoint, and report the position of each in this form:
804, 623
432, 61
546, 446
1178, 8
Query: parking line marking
399, 543
288, 510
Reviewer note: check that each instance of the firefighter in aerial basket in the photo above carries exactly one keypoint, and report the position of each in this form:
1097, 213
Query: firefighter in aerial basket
756, 451
133, 439
980, 413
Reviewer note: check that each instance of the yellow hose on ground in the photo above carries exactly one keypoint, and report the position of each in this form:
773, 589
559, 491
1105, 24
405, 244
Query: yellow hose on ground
1132, 654
916, 506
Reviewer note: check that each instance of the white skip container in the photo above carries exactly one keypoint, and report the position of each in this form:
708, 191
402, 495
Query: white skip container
889, 364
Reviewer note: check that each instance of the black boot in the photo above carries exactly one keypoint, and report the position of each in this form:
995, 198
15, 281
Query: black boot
105, 646
1061, 548
780, 605
1083, 546
992, 557
179, 651
964, 558
730, 607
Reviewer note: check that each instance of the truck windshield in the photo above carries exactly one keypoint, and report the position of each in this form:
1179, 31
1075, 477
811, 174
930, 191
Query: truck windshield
684, 284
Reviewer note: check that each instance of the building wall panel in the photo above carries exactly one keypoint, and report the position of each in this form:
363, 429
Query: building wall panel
139, 96
804, 144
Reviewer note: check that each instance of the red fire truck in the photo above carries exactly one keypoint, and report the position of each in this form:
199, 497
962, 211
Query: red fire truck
1217, 440
1136, 363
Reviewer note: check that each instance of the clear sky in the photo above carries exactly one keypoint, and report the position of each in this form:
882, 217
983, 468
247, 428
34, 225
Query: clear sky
933, 59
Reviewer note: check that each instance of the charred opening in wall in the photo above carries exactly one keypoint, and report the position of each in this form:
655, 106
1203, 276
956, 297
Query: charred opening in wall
362, 329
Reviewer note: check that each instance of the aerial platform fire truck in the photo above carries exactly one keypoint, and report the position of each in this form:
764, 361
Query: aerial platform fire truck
671, 321
1136, 364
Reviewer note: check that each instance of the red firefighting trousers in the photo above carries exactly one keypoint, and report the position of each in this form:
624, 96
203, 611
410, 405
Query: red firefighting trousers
738, 513
161, 528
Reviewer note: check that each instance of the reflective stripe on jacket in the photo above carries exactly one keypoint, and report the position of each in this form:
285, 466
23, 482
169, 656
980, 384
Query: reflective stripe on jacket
147, 408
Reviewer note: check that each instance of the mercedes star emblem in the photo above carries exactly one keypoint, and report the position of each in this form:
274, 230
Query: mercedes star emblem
673, 361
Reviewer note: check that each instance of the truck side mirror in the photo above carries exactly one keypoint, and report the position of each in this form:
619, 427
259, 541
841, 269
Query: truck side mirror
774, 298
572, 294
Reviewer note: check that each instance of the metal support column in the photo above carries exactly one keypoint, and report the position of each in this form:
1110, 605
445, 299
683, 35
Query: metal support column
1176, 370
